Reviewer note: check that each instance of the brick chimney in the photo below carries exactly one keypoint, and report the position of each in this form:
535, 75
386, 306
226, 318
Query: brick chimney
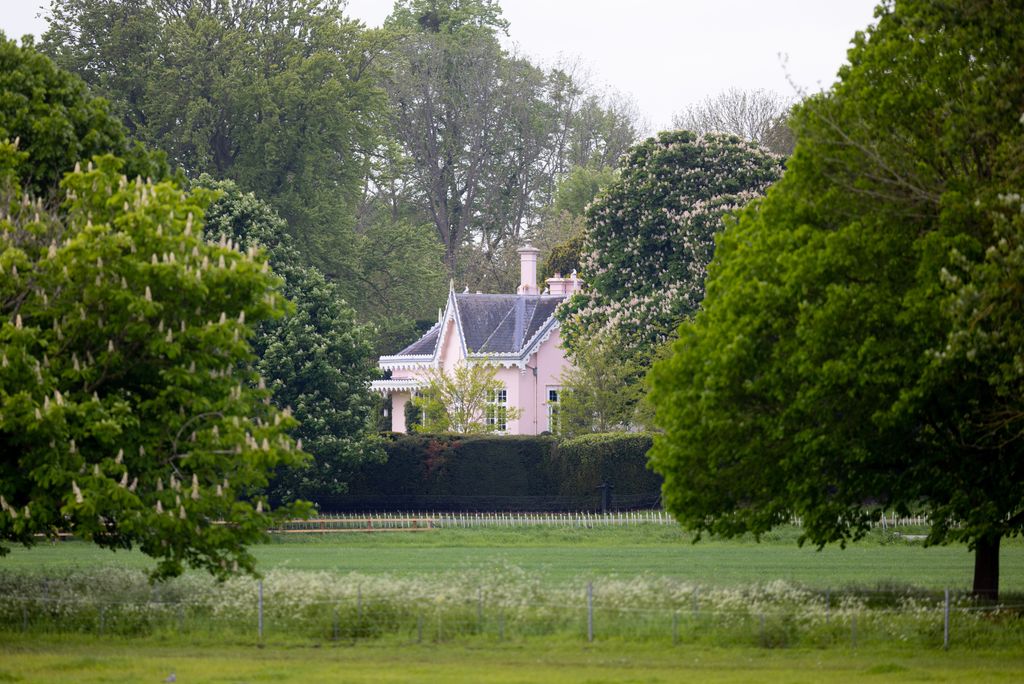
528, 270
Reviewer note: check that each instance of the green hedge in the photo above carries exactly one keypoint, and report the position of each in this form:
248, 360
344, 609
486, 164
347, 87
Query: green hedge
618, 458
491, 471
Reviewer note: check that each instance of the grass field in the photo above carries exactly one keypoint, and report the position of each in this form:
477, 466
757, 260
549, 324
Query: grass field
93, 660
572, 554
495, 570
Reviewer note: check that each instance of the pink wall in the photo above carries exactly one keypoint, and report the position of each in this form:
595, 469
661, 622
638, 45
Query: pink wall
527, 388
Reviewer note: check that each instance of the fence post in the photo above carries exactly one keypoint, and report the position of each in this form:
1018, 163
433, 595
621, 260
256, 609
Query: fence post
764, 638
336, 625
945, 629
181, 619
24, 618
419, 627
480, 610
828, 605
259, 609
675, 627
853, 630
696, 604
103, 618
590, 611
501, 626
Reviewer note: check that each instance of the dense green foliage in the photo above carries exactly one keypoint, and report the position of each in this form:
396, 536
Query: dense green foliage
857, 340
617, 458
601, 391
560, 234
483, 472
57, 124
649, 236
316, 360
277, 95
129, 408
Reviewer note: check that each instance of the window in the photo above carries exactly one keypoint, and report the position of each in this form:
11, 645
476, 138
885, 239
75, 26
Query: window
497, 410
553, 423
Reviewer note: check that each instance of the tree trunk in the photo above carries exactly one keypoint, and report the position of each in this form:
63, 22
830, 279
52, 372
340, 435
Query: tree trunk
986, 568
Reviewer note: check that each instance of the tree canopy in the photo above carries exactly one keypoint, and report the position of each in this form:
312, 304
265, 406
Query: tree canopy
130, 412
854, 352
649, 236
485, 134
278, 95
317, 360
57, 123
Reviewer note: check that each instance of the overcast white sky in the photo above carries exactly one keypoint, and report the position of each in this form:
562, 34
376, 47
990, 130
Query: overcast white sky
664, 54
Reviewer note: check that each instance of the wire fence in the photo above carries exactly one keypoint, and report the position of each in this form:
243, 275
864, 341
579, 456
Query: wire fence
278, 610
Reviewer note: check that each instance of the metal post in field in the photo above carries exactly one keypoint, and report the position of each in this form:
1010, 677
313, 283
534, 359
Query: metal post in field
675, 627
696, 602
336, 625
853, 630
181, 619
945, 629
419, 627
501, 626
764, 638
590, 611
259, 609
480, 610
828, 605
103, 619
24, 618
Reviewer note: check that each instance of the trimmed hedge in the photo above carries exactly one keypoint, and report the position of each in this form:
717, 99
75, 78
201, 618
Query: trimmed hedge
488, 472
618, 458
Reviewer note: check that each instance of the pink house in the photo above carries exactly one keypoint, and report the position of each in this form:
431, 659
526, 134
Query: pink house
518, 333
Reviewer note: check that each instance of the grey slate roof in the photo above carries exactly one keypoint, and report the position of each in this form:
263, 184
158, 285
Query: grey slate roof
493, 323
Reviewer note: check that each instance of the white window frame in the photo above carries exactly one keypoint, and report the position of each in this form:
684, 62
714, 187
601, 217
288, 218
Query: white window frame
554, 406
496, 412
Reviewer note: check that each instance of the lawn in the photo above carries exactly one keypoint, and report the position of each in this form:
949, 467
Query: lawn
81, 659
573, 554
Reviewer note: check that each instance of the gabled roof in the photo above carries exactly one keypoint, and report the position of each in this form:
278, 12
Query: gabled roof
498, 325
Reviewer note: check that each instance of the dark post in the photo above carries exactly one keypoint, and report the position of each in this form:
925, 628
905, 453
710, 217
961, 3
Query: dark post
606, 495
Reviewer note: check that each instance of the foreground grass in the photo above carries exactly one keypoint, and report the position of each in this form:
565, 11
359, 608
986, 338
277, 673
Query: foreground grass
107, 660
573, 554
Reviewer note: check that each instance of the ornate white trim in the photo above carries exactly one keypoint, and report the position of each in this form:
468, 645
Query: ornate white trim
401, 385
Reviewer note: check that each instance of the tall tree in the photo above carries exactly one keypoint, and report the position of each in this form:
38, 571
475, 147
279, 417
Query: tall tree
278, 95
756, 115
317, 360
650, 235
838, 366
485, 132
130, 413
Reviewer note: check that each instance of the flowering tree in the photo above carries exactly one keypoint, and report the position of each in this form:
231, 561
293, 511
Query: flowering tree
130, 411
650, 236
